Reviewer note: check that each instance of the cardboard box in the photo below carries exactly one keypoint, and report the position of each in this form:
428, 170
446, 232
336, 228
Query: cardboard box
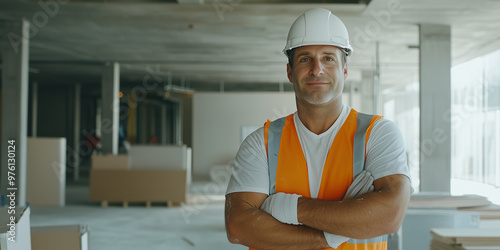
137, 185
70, 237
110, 161
46, 171
22, 229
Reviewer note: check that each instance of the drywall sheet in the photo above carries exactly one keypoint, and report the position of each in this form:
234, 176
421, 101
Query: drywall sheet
22, 229
167, 157
46, 171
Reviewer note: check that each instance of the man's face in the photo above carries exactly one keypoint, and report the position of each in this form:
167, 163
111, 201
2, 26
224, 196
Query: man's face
318, 74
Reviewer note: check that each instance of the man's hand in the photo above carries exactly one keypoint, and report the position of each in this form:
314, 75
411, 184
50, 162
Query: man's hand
333, 240
370, 215
282, 207
362, 184
246, 224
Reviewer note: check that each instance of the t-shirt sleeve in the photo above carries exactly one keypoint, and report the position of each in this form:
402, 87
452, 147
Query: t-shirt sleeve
250, 170
385, 150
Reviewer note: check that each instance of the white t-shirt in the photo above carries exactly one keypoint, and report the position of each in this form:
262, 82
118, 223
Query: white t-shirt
385, 155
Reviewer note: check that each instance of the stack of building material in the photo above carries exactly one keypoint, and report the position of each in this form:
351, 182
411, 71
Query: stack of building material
429, 210
150, 173
418, 223
162, 157
465, 239
491, 212
110, 162
436, 200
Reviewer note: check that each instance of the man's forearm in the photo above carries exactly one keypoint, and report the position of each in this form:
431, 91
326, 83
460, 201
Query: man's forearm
348, 218
366, 216
254, 228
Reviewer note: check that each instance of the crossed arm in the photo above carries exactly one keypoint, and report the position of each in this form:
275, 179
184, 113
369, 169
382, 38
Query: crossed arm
246, 224
366, 216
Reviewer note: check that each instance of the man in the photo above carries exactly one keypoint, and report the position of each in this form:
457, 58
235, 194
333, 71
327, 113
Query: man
326, 176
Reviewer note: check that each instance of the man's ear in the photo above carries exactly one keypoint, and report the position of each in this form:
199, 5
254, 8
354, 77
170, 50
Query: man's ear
289, 72
345, 71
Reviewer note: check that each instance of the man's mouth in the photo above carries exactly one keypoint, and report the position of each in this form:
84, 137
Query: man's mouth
316, 83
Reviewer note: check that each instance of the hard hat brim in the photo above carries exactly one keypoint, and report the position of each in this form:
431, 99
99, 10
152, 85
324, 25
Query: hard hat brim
347, 51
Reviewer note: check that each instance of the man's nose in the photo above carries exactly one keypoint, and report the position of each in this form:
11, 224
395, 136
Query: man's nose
317, 67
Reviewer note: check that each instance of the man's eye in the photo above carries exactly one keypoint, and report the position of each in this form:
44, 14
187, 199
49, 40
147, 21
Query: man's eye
329, 59
304, 59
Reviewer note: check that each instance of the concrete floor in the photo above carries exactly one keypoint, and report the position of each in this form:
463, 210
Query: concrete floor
199, 224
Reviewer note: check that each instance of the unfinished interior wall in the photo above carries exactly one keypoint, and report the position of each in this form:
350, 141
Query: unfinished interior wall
219, 117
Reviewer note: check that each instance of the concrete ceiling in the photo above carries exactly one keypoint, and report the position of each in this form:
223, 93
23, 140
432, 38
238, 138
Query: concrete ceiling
237, 42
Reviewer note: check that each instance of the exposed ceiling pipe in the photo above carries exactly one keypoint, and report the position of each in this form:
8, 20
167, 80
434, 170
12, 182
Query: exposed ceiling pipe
170, 88
31, 70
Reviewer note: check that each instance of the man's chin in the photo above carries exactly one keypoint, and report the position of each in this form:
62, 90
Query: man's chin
318, 101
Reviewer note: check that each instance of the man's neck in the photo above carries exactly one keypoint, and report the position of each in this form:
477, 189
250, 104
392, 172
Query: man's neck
319, 119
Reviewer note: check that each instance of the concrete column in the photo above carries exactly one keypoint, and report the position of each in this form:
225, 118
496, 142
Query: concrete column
152, 122
110, 108
34, 109
367, 92
15, 60
170, 123
351, 90
435, 104
178, 123
131, 122
163, 115
98, 116
142, 134
76, 134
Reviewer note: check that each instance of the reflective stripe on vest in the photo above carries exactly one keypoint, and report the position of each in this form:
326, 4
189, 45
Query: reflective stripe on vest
289, 173
273, 147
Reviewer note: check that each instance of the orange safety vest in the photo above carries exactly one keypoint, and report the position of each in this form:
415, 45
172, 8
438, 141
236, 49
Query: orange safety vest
288, 168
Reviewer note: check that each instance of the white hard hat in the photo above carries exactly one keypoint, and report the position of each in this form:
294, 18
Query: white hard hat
318, 27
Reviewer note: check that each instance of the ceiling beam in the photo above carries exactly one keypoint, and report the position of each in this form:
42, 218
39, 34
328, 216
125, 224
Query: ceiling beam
190, 1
